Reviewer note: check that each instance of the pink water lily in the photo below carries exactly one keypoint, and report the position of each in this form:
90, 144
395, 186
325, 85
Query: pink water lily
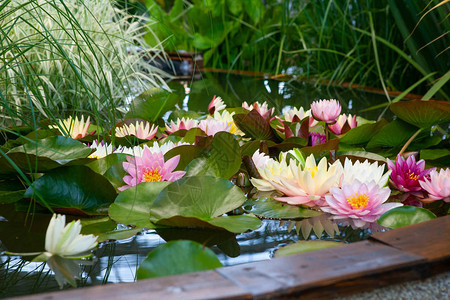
150, 167
181, 124
437, 186
406, 174
77, 129
326, 110
359, 203
216, 104
212, 126
262, 109
343, 124
317, 138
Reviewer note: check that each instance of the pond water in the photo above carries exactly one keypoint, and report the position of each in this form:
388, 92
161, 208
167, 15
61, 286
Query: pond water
118, 261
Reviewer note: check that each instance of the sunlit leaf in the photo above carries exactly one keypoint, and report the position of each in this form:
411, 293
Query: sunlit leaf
394, 134
305, 246
404, 216
152, 104
177, 257
423, 114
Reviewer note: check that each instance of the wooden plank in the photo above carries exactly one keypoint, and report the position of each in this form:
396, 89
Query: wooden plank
318, 269
430, 239
200, 285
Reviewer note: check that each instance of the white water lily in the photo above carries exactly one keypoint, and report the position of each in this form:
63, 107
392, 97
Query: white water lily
66, 240
365, 172
211, 126
103, 149
141, 129
310, 184
270, 171
137, 151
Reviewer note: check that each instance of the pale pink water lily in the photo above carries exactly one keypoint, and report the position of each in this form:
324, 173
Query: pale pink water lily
296, 115
310, 184
140, 129
77, 129
216, 104
150, 167
406, 174
66, 240
137, 151
184, 123
262, 109
365, 172
326, 110
360, 203
437, 186
343, 124
211, 126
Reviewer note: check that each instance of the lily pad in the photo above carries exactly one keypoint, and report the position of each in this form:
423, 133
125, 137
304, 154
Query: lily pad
11, 190
423, 114
102, 165
132, 206
177, 257
152, 104
73, 190
201, 197
255, 126
404, 216
362, 134
394, 134
305, 246
273, 209
97, 226
320, 149
118, 234
187, 154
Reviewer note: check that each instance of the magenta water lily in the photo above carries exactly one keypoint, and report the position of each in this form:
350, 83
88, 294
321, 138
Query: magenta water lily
406, 174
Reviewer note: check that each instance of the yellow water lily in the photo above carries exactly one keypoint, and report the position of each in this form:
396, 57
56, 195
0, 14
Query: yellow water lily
77, 129
141, 129
310, 184
227, 117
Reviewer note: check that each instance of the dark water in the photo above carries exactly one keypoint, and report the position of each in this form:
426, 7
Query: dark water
118, 261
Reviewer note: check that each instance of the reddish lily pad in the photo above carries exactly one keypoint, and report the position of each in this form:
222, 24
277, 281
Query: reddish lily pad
423, 114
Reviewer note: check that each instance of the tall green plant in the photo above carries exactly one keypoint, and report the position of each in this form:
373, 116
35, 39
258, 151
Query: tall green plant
57, 57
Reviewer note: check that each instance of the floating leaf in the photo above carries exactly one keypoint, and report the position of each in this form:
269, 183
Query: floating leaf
11, 190
187, 154
255, 126
423, 114
200, 197
273, 209
305, 246
405, 215
177, 257
73, 190
320, 149
102, 165
362, 134
97, 226
118, 234
132, 206
394, 134
152, 104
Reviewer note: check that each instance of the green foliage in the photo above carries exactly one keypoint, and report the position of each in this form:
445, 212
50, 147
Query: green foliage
177, 257
272, 209
305, 246
404, 216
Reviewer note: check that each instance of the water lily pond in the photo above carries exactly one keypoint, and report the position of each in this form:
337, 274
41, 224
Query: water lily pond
226, 170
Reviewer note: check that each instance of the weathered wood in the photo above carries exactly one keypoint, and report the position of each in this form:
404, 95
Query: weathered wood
319, 269
200, 285
430, 239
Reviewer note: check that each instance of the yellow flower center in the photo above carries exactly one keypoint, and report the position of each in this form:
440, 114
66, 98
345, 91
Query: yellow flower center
412, 175
313, 171
94, 156
152, 175
358, 201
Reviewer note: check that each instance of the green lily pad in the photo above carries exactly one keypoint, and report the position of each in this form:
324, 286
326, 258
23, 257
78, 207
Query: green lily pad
57, 148
394, 134
362, 134
404, 216
102, 165
305, 246
273, 209
187, 154
177, 257
97, 226
114, 235
152, 104
201, 197
11, 190
255, 126
73, 190
320, 149
133, 206
423, 114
